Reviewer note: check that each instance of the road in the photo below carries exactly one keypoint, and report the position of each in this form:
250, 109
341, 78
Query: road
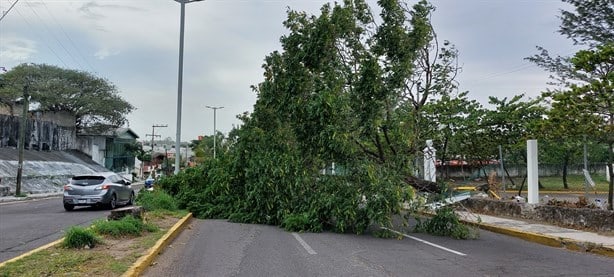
26, 225
220, 248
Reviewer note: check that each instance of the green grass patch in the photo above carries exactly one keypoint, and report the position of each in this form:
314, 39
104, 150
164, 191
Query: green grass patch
79, 237
156, 200
575, 183
127, 226
113, 256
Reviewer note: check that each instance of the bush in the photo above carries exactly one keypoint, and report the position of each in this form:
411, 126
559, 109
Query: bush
79, 237
127, 226
445, 223
156, 200
301, 222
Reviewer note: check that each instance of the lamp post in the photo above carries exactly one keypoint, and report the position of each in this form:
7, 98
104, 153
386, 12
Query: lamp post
214, 128
180, 82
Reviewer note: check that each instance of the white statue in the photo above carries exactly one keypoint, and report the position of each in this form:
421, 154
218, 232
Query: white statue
429, 161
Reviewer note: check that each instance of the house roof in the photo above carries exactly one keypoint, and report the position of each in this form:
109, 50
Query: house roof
109, 132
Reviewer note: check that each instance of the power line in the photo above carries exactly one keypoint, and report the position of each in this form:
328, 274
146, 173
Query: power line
7, 11
54, 37
69, 39
46, 44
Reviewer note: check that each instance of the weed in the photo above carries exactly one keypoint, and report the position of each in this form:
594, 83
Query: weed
444, 223
127, 226
79, 237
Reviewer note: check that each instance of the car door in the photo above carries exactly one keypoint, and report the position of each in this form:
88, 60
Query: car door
120, 188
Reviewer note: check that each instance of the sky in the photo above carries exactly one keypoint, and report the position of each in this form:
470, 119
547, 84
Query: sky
134, 44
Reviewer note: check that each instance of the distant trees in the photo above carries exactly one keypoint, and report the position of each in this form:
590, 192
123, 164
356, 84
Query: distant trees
93, 100
585, 104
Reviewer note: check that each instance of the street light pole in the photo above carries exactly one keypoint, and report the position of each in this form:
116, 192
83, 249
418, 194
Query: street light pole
214, 128
180, 83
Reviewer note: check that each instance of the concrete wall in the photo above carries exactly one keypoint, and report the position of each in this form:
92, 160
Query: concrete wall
592, 219
40, 134
94, 146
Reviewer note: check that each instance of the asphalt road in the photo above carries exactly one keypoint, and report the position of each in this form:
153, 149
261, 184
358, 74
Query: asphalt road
26, 225
220, 248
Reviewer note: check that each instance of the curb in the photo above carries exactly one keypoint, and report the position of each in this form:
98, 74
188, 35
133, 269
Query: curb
548, 240
51, 244
143, 262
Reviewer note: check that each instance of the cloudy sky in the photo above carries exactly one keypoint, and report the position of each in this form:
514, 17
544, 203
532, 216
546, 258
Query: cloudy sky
134, 44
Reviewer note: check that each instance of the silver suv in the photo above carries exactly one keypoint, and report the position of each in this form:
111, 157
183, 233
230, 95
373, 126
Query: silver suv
98, 189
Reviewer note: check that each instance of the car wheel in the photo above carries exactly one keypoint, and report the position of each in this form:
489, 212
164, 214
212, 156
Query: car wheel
131, 200
68, 207
113, 203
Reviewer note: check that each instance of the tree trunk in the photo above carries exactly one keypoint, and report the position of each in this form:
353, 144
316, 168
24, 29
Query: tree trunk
611, 187
565, 165
508, 175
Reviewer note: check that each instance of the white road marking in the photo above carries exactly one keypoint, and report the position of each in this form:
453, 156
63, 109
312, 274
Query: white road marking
426, 242
304, 244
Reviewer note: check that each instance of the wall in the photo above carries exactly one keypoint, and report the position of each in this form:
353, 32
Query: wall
94, 146
580, 218
40, 134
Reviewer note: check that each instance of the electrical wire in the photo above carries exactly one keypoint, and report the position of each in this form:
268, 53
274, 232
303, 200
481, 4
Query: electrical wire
54, 36
69, 39
46, 44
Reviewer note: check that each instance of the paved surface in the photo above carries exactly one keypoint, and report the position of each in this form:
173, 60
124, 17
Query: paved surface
545, 234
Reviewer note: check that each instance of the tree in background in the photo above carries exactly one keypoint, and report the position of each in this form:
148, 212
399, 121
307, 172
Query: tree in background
585, 103
94, 101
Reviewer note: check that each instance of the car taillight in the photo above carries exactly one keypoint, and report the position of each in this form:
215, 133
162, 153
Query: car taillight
103, 187
67, 187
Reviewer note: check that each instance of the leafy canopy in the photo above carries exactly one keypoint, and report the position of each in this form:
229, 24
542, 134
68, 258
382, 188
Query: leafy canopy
93, 100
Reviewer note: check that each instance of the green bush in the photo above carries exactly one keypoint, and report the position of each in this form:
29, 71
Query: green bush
127, 226
156, 200
79, 237
445, 223
301, 222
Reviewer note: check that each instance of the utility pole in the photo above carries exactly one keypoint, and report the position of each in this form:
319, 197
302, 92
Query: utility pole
214, 128
153, 134
22, 139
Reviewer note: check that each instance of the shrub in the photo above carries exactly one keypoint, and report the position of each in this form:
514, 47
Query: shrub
301, 222
445, 223
156, 200
127, 226
79, 237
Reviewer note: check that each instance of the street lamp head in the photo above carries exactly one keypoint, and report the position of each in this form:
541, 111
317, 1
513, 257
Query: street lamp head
187, 1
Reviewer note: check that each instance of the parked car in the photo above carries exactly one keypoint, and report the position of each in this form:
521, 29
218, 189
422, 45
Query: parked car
99, 189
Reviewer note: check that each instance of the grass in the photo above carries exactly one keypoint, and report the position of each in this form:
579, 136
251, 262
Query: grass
575, 182
550, 183
112, 257
125, 227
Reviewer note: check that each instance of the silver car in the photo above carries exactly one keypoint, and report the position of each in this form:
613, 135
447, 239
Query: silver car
99, 189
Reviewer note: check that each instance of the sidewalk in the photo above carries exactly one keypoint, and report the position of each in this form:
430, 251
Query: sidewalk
550, 235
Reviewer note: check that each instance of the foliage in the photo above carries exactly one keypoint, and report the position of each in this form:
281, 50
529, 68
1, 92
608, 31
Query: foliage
444, 223
156, 200
348, 89
127, 226
585, 105
77, 92
79, 237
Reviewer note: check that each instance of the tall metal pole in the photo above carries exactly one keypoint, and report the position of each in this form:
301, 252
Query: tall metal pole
214, 127
180, 84
585, 169
179, 89
22, 140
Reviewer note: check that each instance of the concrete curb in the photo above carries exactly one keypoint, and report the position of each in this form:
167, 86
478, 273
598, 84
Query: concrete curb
566, 243
143, 262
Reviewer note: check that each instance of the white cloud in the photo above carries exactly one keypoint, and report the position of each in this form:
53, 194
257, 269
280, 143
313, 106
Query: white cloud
104, 53
15, 49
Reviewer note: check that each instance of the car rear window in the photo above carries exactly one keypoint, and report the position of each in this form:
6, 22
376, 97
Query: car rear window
86, 180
